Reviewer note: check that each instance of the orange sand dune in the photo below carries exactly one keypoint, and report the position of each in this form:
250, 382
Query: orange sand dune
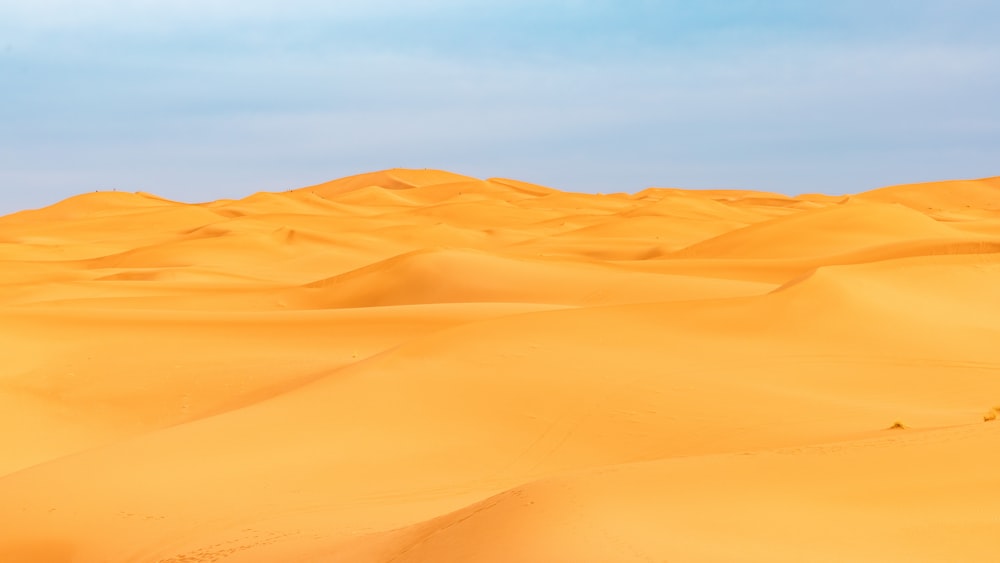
414, 365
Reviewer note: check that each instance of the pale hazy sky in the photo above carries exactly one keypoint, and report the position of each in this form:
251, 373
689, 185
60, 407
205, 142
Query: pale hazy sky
196, 100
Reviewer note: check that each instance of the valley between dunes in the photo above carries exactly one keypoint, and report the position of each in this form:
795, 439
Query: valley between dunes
413, 365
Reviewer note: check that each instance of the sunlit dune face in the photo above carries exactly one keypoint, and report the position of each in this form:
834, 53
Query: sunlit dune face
414, 365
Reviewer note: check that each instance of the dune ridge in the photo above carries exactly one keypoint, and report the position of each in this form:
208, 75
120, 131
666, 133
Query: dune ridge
416, 365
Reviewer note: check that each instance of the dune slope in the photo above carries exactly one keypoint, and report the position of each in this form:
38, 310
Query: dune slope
415, 365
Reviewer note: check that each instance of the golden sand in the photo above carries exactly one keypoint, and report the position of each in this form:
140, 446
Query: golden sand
414, 365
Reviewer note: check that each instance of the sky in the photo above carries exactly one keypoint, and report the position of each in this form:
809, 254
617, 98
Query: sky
200, 100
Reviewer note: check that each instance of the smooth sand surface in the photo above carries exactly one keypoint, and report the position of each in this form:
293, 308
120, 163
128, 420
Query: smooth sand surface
414, 365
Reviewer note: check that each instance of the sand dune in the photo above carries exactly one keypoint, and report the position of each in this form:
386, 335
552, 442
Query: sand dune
414, 365
835, 230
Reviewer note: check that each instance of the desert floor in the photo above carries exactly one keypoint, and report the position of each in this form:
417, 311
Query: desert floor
413, 365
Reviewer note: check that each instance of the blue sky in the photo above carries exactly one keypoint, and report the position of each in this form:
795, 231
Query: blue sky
197, 100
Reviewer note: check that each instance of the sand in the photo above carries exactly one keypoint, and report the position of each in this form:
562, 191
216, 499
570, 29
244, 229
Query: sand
414, 365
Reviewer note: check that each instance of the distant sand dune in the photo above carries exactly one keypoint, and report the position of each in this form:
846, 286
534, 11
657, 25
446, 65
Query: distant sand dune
415, 365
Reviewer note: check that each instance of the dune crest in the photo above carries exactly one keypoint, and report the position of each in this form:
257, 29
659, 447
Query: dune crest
416, 365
